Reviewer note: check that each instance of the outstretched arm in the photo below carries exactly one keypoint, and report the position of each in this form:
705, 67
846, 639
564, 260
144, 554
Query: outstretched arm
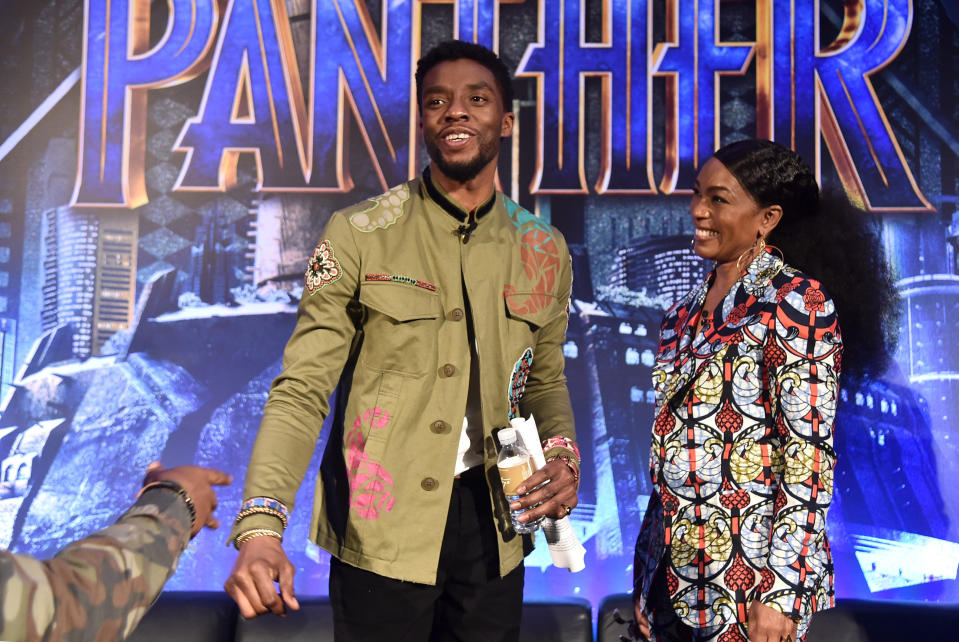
298, 403
101, 586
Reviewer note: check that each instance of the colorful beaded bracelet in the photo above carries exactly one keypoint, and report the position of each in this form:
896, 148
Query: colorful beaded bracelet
261, 510
561, 442
266, 502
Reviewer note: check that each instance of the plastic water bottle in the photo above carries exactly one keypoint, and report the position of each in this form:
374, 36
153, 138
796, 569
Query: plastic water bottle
515, 466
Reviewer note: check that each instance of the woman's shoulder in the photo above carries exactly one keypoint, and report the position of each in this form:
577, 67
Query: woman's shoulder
790, 279
798, 294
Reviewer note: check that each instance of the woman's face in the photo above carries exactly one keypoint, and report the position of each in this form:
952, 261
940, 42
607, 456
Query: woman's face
726, 216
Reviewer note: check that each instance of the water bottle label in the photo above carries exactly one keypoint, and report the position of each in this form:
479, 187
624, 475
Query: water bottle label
513, 472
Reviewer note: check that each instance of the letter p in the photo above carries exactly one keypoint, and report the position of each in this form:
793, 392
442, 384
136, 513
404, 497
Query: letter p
117, 70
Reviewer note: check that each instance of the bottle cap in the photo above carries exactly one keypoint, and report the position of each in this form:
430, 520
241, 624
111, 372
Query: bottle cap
507, 436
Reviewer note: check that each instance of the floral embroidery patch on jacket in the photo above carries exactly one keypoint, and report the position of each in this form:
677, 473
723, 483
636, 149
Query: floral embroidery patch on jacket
322, 268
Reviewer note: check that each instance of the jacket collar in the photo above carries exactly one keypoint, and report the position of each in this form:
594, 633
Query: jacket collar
736, 309
760, 272
440, 198
740, 305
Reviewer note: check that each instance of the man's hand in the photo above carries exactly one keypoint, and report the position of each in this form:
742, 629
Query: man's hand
766, 624
553, 498
197, 482
262, 562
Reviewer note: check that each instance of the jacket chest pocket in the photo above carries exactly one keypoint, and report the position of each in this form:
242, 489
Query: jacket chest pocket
400, 328
526, 313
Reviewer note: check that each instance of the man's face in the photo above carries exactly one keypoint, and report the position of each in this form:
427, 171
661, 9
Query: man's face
462, 118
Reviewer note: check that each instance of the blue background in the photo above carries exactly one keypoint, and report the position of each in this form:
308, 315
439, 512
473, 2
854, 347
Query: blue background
178, 367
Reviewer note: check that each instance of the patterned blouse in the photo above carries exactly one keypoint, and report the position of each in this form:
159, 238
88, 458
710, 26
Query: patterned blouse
742, 458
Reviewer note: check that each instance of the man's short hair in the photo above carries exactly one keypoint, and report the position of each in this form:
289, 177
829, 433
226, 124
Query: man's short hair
458, 50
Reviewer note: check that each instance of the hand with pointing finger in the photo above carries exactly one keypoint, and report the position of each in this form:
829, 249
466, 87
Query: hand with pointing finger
197, 482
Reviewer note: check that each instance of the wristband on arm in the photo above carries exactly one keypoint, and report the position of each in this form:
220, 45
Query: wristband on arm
169, 484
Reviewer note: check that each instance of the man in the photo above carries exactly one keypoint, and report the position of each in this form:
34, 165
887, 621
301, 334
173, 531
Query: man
440, 307
99, 588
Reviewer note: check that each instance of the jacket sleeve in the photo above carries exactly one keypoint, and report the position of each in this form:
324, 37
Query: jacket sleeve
97, 588
313, 362
546, 396
804, 351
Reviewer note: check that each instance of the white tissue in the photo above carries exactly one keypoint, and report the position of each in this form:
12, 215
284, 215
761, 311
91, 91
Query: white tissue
564, 546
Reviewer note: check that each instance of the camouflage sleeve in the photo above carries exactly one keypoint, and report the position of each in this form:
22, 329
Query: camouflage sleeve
99, 587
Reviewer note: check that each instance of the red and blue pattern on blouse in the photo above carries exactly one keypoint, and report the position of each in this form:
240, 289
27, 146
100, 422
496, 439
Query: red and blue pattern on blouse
742, 457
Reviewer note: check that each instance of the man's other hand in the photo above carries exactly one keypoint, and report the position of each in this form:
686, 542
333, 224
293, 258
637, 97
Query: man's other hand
262, 562
554, 498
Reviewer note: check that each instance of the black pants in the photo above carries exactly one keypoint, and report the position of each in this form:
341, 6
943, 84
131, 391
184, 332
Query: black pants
470, 601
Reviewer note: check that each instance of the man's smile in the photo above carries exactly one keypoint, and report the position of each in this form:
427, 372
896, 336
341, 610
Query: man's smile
456, 138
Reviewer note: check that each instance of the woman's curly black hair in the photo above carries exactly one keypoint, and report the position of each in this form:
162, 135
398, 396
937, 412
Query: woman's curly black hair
832, 240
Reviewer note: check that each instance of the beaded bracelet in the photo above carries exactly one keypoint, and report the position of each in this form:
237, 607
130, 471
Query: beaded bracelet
266, 502
246, 536
169, 484
261, 510
569, 463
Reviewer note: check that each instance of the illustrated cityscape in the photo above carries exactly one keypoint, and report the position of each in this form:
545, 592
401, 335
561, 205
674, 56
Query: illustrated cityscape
129, 336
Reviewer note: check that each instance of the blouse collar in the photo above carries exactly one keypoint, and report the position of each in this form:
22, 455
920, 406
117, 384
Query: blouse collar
736, 306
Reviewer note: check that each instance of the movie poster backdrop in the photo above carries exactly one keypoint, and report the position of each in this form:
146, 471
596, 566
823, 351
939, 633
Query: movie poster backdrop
166, 169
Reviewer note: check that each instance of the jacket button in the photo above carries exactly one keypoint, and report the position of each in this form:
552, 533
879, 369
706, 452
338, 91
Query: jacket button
448, 370
457, 314
429, 483
440, 427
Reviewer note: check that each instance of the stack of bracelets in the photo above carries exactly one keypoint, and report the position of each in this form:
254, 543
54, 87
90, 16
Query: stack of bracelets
571, 460
261, 506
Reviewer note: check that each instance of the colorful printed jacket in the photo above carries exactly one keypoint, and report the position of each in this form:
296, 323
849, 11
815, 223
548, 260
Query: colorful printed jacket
100, 587
742, 458
384, 305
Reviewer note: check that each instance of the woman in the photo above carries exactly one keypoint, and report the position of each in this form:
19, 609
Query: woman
733, 545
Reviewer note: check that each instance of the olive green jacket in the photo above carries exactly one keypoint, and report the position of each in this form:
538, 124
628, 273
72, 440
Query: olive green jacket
384, 311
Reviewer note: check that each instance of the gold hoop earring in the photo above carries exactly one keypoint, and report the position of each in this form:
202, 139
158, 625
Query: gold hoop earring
773, 248
755, 249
